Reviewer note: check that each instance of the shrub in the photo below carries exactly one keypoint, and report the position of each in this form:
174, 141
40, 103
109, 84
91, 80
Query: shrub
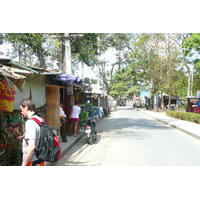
83, 116
188, 116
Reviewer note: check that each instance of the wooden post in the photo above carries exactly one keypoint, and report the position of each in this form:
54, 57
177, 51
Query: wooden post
53, 107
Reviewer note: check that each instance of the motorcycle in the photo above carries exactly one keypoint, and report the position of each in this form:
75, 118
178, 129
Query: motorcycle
90, 131
106, 111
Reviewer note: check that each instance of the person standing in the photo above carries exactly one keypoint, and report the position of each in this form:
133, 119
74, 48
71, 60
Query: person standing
62, 124
74, 118
31, 134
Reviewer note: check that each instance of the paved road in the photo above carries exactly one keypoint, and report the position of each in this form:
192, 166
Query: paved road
131, 138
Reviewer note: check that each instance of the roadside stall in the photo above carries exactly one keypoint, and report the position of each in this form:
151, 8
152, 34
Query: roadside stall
74, 92
16, 83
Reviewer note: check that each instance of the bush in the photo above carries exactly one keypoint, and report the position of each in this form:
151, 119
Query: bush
83, 116
188, 116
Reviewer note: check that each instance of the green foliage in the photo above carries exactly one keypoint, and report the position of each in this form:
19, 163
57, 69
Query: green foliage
1, 38
83, 116
188, 116
85, 48
192, 48
147, 61
33, 40
192, 43
155, 65
94, 81
87, 80
34, 43
119, 86
180, 83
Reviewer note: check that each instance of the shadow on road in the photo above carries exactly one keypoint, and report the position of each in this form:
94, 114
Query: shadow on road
120, 123
134, 124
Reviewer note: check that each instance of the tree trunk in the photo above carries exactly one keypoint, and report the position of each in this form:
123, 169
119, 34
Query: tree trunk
189, 77
41, 57
19, 53
162, 102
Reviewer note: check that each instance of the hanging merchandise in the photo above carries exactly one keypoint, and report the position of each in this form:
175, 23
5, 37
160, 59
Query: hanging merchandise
7, 97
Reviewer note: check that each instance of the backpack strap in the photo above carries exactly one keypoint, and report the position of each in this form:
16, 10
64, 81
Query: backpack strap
38, 121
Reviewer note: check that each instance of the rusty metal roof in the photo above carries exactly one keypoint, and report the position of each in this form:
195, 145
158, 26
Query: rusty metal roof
35, 70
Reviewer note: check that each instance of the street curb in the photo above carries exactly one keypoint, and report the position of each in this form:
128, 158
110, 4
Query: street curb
71, 145
174, 126
181, 129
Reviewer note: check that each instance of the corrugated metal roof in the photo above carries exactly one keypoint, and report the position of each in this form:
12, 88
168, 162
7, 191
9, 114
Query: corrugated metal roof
35, 70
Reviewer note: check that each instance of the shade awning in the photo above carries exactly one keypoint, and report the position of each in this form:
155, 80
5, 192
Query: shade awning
65, 78
17, 79
83, 87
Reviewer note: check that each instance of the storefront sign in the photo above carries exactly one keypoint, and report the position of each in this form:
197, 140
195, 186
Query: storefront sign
70, 90
7, 97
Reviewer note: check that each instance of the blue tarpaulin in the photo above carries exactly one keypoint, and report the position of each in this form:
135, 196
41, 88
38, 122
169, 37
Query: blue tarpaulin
69, 79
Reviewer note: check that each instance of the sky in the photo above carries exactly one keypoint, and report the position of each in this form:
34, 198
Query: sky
4, 48
109, 55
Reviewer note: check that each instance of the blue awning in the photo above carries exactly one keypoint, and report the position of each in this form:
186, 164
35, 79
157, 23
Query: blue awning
69, 79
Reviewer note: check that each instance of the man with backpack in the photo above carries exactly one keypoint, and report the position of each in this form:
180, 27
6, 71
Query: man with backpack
31, 134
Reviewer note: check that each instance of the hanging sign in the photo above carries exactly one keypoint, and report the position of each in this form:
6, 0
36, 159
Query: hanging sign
7, 97
70, 90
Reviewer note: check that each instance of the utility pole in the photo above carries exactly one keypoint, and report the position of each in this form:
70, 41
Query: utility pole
66, 54
66, 51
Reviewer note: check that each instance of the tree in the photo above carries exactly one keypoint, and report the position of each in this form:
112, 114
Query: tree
1, 38
87, 80
154, 61
181, 40
85, 49
34, 41
191, 49
100, 65
172, 59
94, 81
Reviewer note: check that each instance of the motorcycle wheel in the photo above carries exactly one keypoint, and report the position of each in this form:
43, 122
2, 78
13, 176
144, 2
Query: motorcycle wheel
94, 137
87, 140
90, 140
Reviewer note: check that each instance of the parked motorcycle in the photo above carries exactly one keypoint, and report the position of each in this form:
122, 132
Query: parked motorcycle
106, 111
90, 131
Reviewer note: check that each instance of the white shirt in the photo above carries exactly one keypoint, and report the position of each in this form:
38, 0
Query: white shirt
62, 113
76, 110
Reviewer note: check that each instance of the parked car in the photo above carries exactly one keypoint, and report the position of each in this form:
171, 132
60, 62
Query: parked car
122, 103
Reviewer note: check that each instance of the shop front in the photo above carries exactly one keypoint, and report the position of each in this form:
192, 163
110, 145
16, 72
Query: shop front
16, 83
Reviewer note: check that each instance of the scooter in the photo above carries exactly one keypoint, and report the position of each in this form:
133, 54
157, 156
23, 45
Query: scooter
106, 111
90, 131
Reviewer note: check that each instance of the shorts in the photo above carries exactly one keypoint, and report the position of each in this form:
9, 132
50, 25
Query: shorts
63, 120
74, 119
36, 163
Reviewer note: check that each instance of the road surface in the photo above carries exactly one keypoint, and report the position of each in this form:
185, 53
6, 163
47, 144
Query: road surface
131, 138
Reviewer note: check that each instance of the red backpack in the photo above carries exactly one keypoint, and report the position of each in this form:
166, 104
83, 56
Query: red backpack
47, 146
